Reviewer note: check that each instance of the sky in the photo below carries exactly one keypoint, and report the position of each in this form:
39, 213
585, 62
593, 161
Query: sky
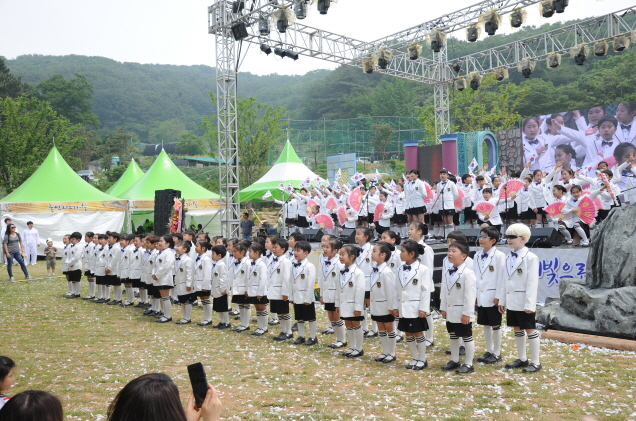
175, 32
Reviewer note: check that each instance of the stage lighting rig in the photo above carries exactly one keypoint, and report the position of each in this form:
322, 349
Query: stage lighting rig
414, 50
368, 65
491, 21
600, 48
280, 52
457, 68
553, 60
291, 54
238, 6
620, 42
560, 5
474, 80
518, 17
263, 26
501, 73
266, 49
547, 8
301, 10
323, 6
384, 57
580, 53
460, 83
283, 17
239, 31
472, 32
526, 67
436, 39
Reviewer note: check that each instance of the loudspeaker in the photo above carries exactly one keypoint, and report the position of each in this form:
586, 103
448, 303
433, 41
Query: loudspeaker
239, 31
471, 236
313, 235
348, 236
164, 203
544, 238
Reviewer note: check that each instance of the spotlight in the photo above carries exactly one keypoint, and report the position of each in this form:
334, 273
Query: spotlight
279, 52
553, 60
501, 73
301, 10
266, 49
263, 26
238, 6
475, 80
518, 17
457, 68
547, 8
414, 50
323, 6
282, 25
436, 39
620, 42
239, 30
472, 32
460, 83
526, 67
579, 54
292, 55
383, 57
368, 65
283, 17
560, 5
491, 21
600, 48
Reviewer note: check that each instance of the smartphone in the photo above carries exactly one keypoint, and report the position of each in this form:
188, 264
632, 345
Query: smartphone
199, 382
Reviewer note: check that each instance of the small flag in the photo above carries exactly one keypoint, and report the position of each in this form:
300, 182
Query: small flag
267, 195
337, 188
532, 159
338, 175
492, 171
326, 183
404, 178
473, 165
308, 181
393, 185
281, 186
289, 189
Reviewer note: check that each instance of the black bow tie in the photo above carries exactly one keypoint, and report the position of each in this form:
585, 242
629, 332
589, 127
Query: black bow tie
177, 259
198, 258
275, 259
297, 264
537, 182
533, 142
575, 200
343, 271
607, 143
238, 262
375, 269
484, 256
565, 183
253, 263
513, 254
406, 267
361, 249
327, 262
452, 270
626, 126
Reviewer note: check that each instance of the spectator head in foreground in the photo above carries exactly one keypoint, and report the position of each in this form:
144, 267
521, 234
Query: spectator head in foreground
32, 405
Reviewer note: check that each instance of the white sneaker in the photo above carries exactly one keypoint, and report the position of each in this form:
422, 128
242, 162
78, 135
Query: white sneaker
12, 278
585, 243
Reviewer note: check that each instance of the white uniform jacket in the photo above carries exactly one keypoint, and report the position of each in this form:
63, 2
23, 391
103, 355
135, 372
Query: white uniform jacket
164, 268
113, 256
494, 216
490, 272
413, 291
136, 262
415, 193
100, 260
239, 271
521, 282
428, 260
386, 215
303, 278
350, 292
219, 278
395, 262
458, 293
328, 272
203, 272
184, 274
365, 264
124, 262
257, 281
448, 191
75, 254
279, 281
382, 290
146, 268
88, 256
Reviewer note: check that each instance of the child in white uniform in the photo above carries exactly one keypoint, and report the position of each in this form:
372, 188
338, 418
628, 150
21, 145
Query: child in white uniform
184, 280
350, 299
257, 287
301, 296
162, 275
382, 300
365, 264
220, 286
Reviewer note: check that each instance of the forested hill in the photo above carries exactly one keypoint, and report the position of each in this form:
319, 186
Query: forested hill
147, 98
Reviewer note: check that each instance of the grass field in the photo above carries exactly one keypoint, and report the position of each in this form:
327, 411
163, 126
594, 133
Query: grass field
85, 353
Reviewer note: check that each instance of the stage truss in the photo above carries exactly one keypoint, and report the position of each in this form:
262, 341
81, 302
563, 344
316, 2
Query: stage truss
430, 67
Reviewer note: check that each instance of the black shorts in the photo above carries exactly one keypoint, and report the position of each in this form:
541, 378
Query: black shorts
459, 329
353, 319
256, 301
330, 306
436, 217
420, 210
65, 272
529, 214
380, 229
301, 222
469, 213
498, 227
220, 305
88, 274
74, 275
112, 280
205, 293
447, 211
124, 281
399, 219
164, 287
521, 319
279, 306
188, 298
367, 295
101, 280
240, 299
512, 211
136, 283
414, 325
602, 214
153, 291
304, 312
362, 219
290, 221
489, 316
370, 217
540, 211
456, 219
387, 318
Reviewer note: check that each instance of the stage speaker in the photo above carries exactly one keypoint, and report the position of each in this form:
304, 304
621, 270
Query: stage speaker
313, 235
472, 236
544, 238
164, 203
348, 236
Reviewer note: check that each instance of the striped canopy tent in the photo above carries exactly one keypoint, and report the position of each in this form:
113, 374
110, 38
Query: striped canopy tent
288, 169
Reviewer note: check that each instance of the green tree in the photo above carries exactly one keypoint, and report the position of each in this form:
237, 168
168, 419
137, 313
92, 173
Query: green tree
28, 128
118, 144
168, 131
11, 86
382, 137
70, 98
260, 127
191, 144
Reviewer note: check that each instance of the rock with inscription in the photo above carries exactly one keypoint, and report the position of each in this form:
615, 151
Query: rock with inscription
605, 302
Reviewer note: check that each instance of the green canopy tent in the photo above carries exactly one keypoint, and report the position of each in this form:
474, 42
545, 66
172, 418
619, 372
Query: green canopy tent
132, 174
288, 169
163, 174
59, 202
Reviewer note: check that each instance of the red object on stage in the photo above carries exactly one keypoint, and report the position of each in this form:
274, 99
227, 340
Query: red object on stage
311, 204
378, 211
331, 204
429, 193
512, 186
342, 215
588, 210
459, 203
555, 209
484, 207
355, 199
325, 221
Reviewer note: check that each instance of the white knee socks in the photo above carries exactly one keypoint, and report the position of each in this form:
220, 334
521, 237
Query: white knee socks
207, 310
391, 343
359, 335
166, 306
430, 333
535, 343
520, 339
421, 348
496, 335
469, 345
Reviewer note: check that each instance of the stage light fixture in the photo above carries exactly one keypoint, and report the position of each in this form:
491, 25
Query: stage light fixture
518, 17
526, 67
553, 60
580, 53
600, 48
291, 54
474, 79
323, 6
266, 49
491, 21
436, 39
238, 6
414, 50
383, 57
560, 5
620, 42
547, 8
239, 31
283, 17
501, 73
263, 26
368, 65
301, 10
457, 68
460, 83
472, 32
280, 52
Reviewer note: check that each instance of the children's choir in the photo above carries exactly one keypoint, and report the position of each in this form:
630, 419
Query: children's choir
391, 280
